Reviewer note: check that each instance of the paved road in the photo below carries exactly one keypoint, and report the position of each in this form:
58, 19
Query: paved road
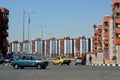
57, 72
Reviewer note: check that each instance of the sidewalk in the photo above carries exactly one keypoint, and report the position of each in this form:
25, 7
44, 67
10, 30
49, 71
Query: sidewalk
107, 63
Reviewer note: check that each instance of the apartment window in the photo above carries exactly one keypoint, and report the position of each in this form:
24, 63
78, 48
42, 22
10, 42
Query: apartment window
99, 30
105, 38
106, 31
117, 5
105, 23
99, 48
119, 35
117, 15
118, 24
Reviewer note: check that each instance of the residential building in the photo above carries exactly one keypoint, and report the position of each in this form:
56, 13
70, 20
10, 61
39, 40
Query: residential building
103, 39
116, 28
53, 47
3, 31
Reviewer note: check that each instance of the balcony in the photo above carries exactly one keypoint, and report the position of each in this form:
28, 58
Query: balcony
117, 30
5, 18
115, 1
117, 20
106, 27
106, 42
100, 34
106, 18
117, 10
95, 37
6, 27
95, 41
6, 34
100, 38
4, 10
99, 50
106, 34
100, 27
117, 41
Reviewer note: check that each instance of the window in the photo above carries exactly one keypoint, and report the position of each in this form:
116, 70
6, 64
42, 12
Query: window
119, 26
117, 15
105, 23
117, 5
119, 35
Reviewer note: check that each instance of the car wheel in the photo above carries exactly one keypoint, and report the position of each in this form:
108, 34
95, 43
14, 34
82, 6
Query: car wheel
44, 67
38, 66
16, 66
68, 63
54, 63
22, 67
75, 63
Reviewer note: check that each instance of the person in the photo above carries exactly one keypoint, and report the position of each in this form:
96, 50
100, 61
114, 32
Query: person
83, 59
90, 59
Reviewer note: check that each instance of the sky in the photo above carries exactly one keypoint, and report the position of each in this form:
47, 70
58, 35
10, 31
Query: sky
58, 18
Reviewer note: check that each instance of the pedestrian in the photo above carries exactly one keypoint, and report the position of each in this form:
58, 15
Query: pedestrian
90, 59
83, 59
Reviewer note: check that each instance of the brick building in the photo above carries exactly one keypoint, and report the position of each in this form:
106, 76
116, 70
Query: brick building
102, 40
3, 30
116, 28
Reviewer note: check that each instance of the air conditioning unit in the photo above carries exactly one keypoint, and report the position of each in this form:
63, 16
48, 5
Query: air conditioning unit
118, 25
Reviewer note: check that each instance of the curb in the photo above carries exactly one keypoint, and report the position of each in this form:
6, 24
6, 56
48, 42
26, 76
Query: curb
105, 64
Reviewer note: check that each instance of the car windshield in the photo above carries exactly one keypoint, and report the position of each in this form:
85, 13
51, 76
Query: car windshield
79, 57
27, 57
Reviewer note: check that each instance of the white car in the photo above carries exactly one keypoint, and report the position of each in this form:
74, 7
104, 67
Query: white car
78, 60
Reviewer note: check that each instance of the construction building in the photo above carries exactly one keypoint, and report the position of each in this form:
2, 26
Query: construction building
4, 13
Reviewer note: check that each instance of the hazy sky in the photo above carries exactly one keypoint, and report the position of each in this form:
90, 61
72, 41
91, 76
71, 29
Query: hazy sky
62, 18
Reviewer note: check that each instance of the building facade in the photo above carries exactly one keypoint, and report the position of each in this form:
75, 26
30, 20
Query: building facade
3, 31
53, 47
102, 40
116, 28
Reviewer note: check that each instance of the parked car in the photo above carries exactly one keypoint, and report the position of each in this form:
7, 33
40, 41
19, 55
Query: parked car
29, 61
78, 60
1, 59
62, 60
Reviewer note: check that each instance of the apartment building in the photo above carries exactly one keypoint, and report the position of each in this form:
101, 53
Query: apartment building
103, 39
53, 47
3, 30
116, 27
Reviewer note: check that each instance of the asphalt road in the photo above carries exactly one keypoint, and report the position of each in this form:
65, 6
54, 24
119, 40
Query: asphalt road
58, 72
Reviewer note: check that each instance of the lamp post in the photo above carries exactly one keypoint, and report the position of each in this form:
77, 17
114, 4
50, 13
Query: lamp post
23, 25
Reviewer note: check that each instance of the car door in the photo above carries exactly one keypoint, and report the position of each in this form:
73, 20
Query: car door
30, 62
21, 61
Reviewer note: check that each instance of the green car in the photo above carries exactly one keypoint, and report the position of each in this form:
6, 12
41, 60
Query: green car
25, 60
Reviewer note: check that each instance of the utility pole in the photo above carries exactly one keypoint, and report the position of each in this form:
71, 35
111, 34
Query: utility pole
23, 25
29, 15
